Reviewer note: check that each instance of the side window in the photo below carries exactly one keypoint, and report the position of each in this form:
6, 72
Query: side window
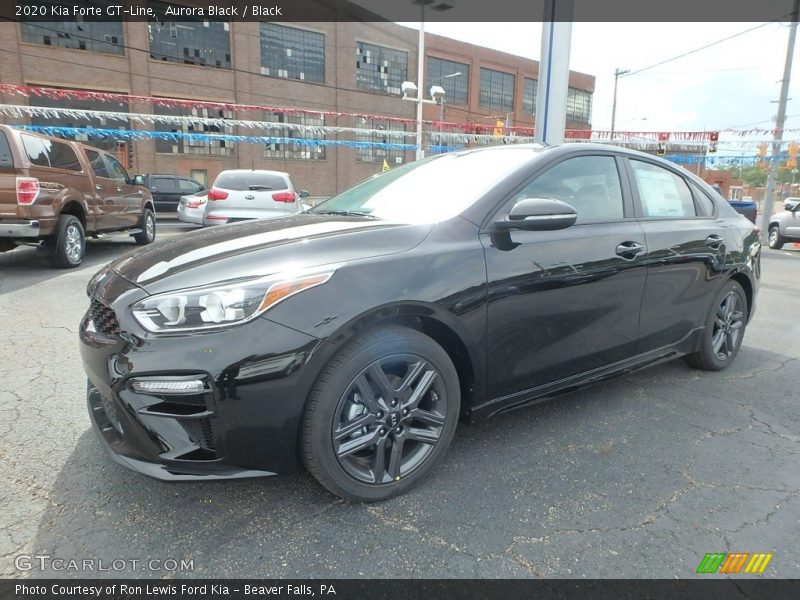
188, 186
662, 192
62, 156
6, 159
117, 171
36, 150
96, 163
588, 183
165, 185
705, 205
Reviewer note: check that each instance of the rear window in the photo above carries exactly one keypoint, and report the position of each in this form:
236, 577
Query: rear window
49, 153
241, 181
6, 160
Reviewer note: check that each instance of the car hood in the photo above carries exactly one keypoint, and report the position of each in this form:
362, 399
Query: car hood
262, 247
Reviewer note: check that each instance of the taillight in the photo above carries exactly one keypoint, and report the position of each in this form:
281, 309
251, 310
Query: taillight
27, 190
193, 204
284, 197
215, 194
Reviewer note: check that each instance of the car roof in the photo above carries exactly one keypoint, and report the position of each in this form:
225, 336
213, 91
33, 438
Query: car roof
254, 171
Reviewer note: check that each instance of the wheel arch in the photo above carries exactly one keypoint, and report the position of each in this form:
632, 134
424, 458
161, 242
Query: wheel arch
744, 281
76, 209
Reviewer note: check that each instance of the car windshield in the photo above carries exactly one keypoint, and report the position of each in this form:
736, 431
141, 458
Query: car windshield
430, 190
247, 180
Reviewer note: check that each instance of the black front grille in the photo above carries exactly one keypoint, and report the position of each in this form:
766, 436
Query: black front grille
104, 318
200, 432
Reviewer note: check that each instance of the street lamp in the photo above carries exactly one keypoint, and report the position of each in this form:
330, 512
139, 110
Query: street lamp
617, 74
411, 93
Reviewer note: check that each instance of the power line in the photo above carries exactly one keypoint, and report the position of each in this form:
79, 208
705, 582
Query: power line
663, 62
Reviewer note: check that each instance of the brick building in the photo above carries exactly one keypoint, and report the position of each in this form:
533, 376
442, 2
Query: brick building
346, 67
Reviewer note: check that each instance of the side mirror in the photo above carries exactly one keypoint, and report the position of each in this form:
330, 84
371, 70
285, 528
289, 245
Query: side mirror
539, 214
138, 180
303, 194
792, 205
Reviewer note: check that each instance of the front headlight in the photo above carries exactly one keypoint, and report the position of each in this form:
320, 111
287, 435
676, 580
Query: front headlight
220, 305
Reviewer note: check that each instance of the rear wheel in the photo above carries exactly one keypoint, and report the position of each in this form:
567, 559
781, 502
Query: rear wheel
69, 244
776, 240
148, 225
724, 330
381, 415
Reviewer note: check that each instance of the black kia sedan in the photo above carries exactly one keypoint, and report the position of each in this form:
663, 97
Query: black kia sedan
352, 338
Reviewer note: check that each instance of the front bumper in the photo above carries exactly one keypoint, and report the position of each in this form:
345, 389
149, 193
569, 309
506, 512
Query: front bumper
22, 229
245, 420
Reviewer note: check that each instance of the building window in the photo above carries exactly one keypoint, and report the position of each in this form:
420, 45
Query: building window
292, 53
579, 106
193, 41
375, 153
380, 69
295, 150
529, 89
64, 120
203, 145
456, 88
99, 36
200, 175
497, 89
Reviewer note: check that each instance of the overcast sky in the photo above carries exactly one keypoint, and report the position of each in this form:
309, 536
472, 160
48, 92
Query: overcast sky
729, 85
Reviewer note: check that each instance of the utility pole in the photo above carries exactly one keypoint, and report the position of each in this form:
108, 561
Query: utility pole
766, 209
617, 73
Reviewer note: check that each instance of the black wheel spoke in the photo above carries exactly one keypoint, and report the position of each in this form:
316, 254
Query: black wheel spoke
367, 395
379, 379
379, 464
425, 382
349, 428
426, 417
396, 457
426, 436
411, 376
357, 444
730, 343
718, 341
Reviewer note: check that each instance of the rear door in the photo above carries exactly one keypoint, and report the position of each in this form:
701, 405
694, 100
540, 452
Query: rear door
166, 193
106, 205
8, 180
685, 252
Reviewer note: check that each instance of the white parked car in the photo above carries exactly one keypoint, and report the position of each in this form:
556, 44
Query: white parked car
240, 194
192, 209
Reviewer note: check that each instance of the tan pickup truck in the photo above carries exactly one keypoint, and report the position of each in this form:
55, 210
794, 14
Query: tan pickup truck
55, 192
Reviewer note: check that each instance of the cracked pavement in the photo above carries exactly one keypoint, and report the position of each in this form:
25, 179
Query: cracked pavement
639, 476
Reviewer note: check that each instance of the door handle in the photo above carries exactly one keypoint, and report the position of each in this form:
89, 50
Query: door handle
119, 189
98, 187
714, 241
629, 249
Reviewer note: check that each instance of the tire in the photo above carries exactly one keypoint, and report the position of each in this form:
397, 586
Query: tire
419, 420
69, 244
724, 331
148, 225
776, 240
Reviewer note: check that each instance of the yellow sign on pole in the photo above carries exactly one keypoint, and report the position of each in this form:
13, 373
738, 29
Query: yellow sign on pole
386, 166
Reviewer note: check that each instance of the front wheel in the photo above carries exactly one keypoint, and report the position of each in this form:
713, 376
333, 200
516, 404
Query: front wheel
69, 243
148, 233
776, 240
724, 330
381, 415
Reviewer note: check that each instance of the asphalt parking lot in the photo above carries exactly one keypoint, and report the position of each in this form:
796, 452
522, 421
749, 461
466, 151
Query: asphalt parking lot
639, 476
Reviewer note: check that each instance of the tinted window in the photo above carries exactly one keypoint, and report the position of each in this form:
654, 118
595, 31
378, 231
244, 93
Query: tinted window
187, 185
705, 205
62, 156
588, 183
165, 185
117, 171
662, 192
96, 163
240, 181
6, 160
36, 150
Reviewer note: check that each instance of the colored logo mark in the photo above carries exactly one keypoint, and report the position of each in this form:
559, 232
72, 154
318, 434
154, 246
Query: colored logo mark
737, 562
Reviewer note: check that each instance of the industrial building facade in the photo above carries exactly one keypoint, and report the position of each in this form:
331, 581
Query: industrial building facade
337, 67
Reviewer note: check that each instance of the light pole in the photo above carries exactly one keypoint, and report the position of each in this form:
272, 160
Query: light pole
617, 73
437, 93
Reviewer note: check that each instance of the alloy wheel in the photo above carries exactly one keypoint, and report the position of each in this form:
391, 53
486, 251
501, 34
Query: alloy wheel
728, 324
73, 244
150, 227
773, 237
389, 419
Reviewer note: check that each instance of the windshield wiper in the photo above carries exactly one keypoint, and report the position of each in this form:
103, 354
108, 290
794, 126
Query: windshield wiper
346, 213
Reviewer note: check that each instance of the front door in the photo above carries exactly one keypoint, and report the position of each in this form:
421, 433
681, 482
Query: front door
128, 196
564, 302
105, 205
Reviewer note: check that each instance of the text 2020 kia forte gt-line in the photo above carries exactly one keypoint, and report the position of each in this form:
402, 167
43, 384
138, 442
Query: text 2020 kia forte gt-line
352, 337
